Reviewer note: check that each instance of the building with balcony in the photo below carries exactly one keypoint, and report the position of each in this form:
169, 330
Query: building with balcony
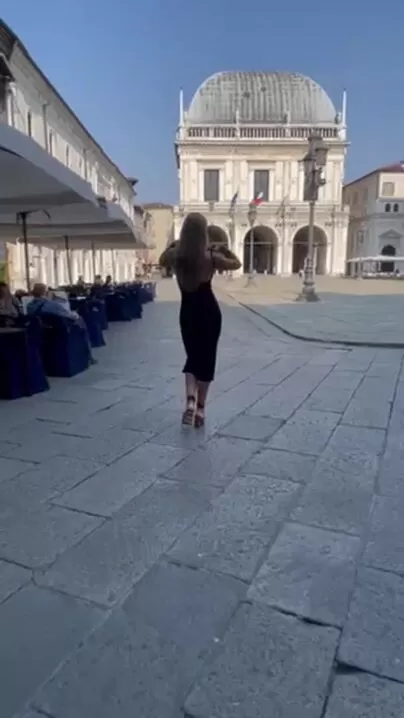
32, 105
376, 214
246, 133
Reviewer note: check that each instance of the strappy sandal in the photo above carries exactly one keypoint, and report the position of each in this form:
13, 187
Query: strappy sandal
199, 420
189, 413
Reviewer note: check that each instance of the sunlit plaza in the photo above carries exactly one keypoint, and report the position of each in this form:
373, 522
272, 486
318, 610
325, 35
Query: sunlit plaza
252, 567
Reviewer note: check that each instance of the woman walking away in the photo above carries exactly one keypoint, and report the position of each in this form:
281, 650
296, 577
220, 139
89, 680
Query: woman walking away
195, 263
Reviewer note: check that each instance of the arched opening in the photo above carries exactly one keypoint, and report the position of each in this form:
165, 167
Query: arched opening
217, 235
260, 246
300, 248
388, 251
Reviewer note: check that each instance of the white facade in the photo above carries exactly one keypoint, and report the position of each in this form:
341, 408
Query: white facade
33, 106
233, 131
376, 208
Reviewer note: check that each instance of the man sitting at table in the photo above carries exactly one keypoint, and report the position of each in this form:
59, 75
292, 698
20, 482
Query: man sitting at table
42, 303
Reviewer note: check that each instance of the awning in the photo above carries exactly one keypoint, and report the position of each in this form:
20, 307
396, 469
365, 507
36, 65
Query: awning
71, 220
32, 180
40, 198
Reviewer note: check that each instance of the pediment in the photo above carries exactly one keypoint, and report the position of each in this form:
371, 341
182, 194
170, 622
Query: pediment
390, 234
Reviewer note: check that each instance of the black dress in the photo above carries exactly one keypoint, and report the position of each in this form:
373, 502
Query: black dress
201, 323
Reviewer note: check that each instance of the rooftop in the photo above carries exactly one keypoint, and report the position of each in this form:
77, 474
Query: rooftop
261, 97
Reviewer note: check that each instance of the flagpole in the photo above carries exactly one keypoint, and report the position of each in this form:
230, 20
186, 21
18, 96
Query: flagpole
252, 216
232, 227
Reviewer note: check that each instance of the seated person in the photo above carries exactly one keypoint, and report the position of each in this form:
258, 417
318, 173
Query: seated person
108, 282
98, 289
10, 308
80, 289
42, 303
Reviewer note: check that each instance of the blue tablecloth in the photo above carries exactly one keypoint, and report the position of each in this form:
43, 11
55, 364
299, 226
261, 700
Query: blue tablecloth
64, 349
91, 310
21, 369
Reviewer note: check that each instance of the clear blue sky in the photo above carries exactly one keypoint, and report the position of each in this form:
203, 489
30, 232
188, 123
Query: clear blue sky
120, 64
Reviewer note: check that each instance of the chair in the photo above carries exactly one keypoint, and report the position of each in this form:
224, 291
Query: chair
64, 347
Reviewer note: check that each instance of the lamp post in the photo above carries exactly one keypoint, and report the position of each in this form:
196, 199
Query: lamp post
314, 162
361, 238
252, 216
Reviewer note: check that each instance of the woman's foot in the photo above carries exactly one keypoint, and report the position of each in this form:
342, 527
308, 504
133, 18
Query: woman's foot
199, 420
189, 413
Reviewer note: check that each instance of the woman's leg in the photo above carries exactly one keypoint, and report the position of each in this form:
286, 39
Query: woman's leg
191, 390
203, 388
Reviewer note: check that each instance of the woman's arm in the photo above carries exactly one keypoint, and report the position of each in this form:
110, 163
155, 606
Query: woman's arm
224, 260
167, 259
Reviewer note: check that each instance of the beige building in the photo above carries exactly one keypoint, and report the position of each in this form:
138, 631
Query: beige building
376, 214
159, 220
246, 133
30, 104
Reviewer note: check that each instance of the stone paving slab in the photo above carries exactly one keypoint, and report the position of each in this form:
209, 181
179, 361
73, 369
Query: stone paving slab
307, 433
108, 490
104, 566
148, 652
365, 696
232, 536
269, 665
285, 465
38, 629
335, 500
248, 426
12, 467
12, 577
122, 512
216, 463
309, 572
36, 538
373, 636
385, 539
335, 392
45, 481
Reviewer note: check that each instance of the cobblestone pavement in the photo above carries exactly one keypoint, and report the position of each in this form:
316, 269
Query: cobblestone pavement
362, 312
252, 571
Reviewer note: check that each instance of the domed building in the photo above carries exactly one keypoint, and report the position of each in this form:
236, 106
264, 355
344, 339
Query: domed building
244, 136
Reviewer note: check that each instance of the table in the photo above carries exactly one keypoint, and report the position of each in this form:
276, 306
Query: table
21, 369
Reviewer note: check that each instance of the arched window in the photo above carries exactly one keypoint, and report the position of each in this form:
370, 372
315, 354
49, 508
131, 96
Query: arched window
387, 207
29, 124
67, 156
388, 251
395, 207
51, 148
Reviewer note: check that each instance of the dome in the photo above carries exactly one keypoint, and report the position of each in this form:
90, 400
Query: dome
260, 97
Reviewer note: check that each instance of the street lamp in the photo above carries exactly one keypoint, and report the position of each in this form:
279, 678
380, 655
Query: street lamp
314, 162
361, 239
252, 216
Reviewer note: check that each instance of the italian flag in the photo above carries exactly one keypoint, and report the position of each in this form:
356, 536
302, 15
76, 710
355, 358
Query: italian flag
257, 199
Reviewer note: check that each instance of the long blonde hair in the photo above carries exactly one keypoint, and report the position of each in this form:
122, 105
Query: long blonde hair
191, 253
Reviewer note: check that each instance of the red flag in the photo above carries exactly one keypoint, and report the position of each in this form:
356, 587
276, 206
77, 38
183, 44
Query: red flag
256, 201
